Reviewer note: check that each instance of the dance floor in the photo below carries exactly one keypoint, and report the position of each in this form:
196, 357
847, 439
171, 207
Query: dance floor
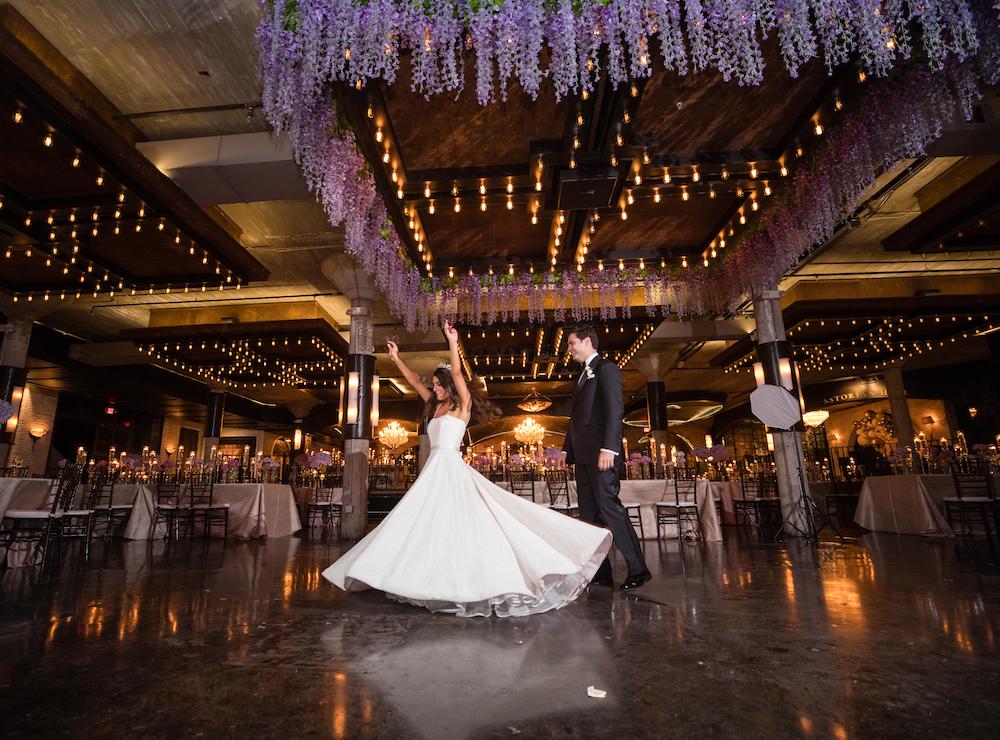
886, 636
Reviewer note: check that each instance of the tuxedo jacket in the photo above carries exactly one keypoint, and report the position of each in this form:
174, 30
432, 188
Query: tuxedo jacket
596, 412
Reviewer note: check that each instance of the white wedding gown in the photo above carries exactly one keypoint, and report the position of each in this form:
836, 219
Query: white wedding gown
457, 543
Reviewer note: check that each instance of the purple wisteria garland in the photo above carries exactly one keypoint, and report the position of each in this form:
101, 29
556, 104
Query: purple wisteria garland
307, 44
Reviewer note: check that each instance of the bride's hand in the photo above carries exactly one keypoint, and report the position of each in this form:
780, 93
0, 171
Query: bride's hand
450, 332
393, 350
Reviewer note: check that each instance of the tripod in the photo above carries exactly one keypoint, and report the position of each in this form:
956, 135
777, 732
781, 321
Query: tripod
805, 503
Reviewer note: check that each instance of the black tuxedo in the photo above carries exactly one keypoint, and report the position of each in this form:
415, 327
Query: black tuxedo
595, 423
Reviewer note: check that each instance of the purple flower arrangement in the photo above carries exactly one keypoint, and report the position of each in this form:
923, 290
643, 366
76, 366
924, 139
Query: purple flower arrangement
6, 411
305, 45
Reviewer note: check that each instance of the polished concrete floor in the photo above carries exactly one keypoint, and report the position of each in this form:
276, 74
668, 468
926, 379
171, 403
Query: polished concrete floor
882, 636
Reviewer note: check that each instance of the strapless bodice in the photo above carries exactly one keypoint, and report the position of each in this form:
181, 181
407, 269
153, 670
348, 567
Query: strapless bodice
446, 435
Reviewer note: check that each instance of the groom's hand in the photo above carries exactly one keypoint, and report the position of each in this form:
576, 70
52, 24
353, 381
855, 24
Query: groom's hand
605, 461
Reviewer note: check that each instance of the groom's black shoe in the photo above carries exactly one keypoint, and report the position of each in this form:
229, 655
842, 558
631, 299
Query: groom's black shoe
637, 580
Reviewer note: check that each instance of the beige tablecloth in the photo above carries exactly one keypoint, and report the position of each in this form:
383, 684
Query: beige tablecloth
905, 504
255, 510
647, 493
24, 493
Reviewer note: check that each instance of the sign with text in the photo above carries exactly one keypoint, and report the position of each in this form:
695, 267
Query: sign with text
847, 391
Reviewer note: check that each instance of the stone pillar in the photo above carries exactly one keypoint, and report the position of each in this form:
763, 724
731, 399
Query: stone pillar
893, 379
358, 430
772, 345
654, 366
13, 359
215, 413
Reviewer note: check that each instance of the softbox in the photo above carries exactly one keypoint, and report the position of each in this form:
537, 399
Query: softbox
775, 406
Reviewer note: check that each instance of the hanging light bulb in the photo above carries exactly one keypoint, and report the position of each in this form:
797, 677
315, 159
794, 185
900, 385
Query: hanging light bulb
482, 204
753, 171
638, 179
645, 156
684, 261
743, 218
684, 193
695, 175
76, 160
458, 205
767, 188
430, 207
100, 180
47, 141
427, 190
656, 195
711, 192
724, 174
629, 197
510, 202
482, 187
18, 116
818, 129
666, 176
783, 170
378, 134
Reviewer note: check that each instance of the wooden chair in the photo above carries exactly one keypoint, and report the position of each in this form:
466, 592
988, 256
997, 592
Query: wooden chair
557, 481
976, 499
113, 516
169, 507
634, 512
39, 529
211, 514
681, 507
522, 483
325, 508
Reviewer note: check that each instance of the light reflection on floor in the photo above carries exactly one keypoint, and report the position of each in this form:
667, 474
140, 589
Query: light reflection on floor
730, 639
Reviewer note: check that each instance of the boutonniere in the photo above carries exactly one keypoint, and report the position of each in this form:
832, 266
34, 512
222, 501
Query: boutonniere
590, 372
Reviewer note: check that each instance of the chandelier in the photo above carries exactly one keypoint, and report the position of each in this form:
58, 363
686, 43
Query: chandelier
815, 418
529, 432
392, 435
533, 403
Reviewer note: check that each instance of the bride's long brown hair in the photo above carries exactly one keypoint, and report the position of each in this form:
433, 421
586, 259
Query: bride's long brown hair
483, 409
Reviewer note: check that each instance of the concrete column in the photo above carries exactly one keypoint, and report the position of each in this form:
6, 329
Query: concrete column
893, 379
655, 366
13, 359
215, 414
357, 435
788, 458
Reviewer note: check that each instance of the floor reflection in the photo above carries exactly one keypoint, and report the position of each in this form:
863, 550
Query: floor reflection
734, 638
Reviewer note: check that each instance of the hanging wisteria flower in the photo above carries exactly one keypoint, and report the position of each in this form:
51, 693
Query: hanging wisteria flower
305, 45
6, 411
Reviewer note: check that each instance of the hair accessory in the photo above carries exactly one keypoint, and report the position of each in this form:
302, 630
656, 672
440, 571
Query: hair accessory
445, 365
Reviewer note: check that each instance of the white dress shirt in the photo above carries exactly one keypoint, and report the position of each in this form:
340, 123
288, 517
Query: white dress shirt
582, 373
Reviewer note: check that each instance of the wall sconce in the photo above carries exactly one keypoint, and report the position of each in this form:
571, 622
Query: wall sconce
11, 424
376, 385
169, 449
297, 438
770, 441
785, 373
340, 403
36, 433
353, 380
973, 412
708, 440
758, 373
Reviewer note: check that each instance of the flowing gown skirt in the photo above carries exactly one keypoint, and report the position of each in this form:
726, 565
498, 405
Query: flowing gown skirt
457, 543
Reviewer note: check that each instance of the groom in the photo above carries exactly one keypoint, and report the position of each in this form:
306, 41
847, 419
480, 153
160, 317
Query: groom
593, 443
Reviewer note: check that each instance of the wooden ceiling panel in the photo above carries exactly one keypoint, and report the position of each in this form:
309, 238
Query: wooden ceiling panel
474, 235
700, 112
671, 226
444, 133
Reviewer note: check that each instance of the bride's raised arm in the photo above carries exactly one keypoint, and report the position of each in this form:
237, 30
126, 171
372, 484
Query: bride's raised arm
464, 396
411, 377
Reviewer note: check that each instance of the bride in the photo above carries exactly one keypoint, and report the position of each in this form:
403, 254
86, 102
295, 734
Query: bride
459, 544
